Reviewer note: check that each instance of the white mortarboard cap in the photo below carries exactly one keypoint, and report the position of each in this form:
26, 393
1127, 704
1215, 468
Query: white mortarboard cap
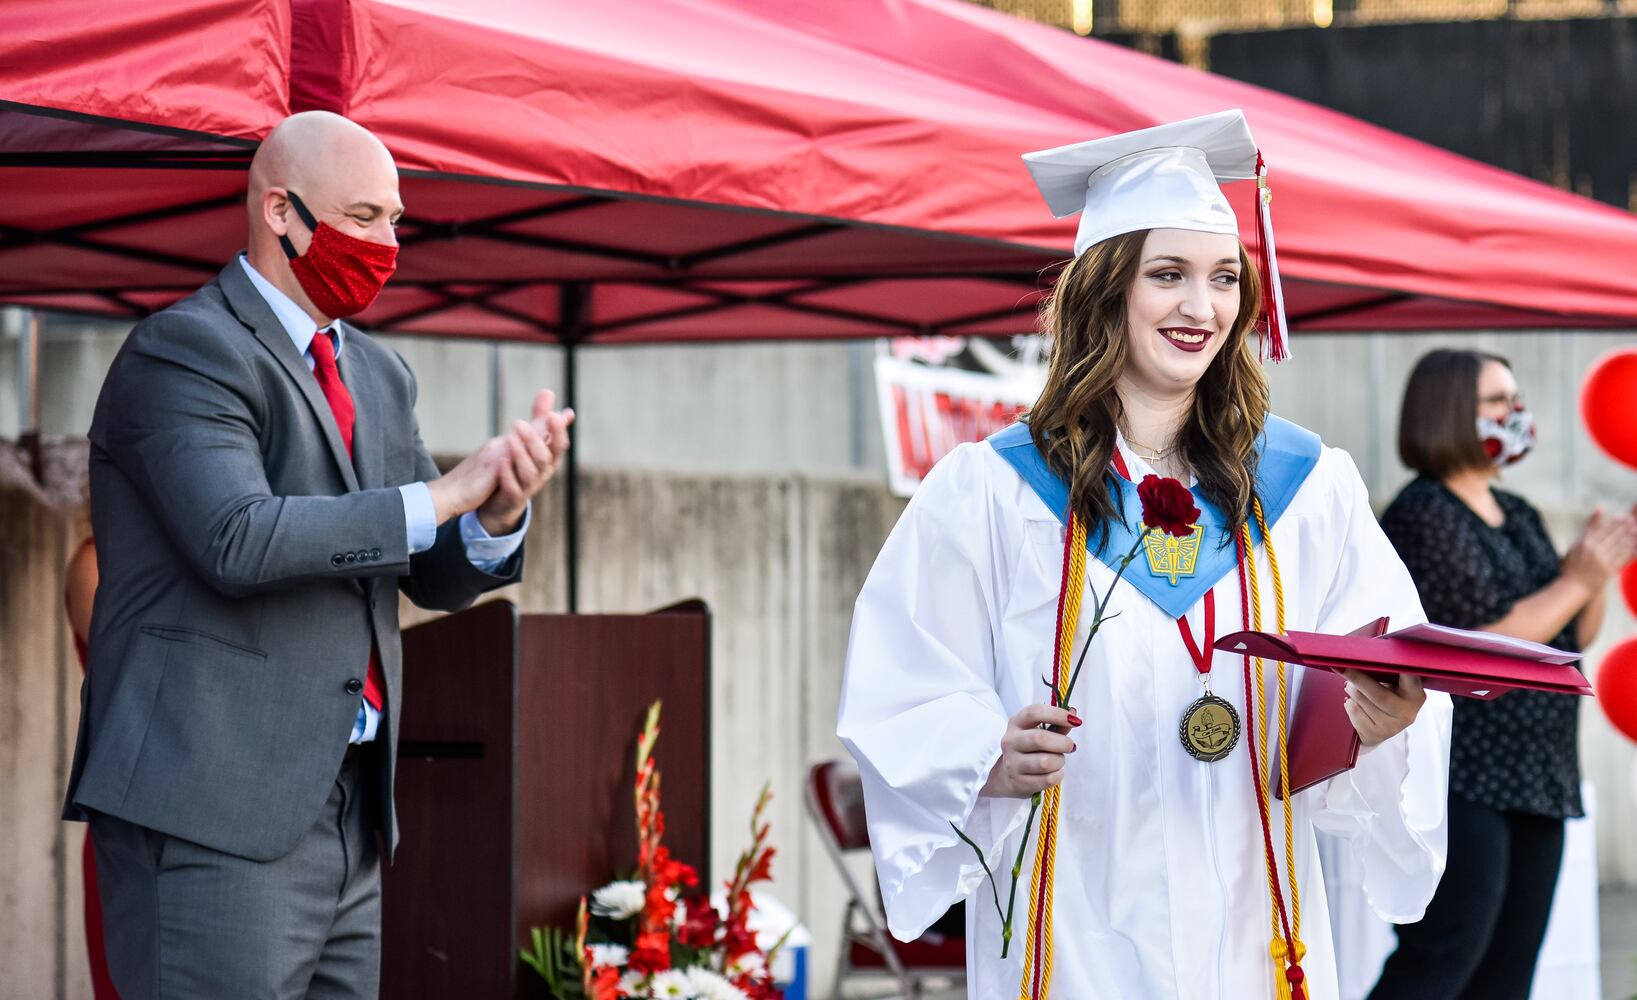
1163, 177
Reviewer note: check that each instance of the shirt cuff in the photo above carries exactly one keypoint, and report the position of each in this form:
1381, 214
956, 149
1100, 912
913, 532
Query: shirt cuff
484, 550
420, 516
367, 723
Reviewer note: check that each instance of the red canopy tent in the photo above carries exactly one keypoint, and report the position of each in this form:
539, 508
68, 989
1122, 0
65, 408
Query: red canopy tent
642, 170
124, 136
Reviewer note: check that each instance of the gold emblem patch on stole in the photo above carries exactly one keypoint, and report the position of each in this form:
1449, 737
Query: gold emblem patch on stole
1171, 556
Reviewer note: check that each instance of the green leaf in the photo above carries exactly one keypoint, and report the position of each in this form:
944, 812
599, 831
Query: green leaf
553, 959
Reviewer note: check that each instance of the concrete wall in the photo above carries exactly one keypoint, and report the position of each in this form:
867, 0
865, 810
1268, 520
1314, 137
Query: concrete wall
42, 942
741, 408
751, 476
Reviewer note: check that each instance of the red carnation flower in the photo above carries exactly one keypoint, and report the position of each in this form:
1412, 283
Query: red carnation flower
698, 929
1167, 505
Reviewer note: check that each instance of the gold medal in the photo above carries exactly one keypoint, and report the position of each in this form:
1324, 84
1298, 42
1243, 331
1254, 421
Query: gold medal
1210, 728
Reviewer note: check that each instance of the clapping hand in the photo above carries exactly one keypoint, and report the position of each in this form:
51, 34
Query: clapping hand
1607, 544
498, 478
526, 460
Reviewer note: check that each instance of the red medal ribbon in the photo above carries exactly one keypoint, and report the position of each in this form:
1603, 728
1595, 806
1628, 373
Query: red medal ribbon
1202, 657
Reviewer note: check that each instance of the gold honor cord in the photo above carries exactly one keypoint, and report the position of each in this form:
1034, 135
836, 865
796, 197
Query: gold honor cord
1037, 944
1279, 948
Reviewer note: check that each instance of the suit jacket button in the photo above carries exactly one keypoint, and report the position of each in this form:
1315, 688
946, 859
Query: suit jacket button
375, 553
352, 557
354, 685
336, 560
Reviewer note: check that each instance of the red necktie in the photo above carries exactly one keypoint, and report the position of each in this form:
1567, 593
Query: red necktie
340, 400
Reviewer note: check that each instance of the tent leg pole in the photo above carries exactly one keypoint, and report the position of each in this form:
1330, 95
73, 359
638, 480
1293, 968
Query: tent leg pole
573, 313
571, 488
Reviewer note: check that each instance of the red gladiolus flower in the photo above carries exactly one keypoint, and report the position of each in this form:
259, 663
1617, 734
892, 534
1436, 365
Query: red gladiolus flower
658, 908
670, 872
605, 983
1167, 505
763, 871
698, 930
652, 954
738, 940
759, 988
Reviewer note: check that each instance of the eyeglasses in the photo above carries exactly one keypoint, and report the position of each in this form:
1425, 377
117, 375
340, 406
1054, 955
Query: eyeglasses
1512, 400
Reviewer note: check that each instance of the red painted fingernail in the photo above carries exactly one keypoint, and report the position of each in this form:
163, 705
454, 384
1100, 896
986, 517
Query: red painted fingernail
1074, 720
1073, 747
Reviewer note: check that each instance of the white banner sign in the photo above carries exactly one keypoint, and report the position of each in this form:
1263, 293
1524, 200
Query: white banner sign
927, 410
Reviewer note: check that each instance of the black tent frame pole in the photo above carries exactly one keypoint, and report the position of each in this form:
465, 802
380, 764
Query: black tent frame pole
572, 308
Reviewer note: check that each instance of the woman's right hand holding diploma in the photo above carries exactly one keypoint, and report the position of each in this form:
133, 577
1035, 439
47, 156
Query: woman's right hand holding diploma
1032, 752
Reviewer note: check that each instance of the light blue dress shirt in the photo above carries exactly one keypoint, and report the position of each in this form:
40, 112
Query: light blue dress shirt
485, 551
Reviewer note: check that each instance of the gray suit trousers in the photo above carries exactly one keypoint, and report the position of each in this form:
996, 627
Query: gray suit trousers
185, 922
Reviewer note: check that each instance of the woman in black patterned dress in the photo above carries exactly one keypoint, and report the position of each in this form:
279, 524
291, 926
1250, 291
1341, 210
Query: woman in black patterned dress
1481, 559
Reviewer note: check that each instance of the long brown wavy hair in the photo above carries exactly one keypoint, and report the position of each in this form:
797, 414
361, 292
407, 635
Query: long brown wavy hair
1073, 422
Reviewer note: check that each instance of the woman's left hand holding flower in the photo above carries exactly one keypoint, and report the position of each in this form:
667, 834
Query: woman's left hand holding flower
1380, 710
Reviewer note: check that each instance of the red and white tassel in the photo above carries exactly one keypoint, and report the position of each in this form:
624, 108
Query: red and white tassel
1276, 337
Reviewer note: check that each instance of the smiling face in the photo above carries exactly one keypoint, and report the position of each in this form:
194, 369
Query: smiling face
356, 192
1180, 310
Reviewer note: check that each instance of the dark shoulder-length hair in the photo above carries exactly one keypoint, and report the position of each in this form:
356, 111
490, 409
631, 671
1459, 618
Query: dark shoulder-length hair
1074, 421
1437, 426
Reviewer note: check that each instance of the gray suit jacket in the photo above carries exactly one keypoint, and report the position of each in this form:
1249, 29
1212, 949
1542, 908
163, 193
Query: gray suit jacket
246, 566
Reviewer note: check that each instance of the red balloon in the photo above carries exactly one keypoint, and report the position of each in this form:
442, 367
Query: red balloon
1628, 585
1617, 687
1608, 404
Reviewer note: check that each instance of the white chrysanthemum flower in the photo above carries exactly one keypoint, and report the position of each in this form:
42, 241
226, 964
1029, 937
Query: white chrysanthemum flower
609, 954
714, 986
633, 984
748, 963
620, 900
671, 985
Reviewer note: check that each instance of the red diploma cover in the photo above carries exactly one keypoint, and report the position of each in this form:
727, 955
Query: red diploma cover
1323, 742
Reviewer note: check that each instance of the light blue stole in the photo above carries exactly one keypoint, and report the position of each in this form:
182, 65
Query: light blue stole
1286, 454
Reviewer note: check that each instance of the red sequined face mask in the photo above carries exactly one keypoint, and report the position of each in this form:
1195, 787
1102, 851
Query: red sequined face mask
341, 274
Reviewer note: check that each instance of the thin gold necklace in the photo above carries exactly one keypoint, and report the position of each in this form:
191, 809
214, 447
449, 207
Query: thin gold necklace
1139, 448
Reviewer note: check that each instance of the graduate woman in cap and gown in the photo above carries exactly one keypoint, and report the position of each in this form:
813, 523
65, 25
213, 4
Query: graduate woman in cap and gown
1163, 864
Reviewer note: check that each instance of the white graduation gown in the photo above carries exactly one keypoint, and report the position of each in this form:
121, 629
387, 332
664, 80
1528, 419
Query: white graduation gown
1160, 888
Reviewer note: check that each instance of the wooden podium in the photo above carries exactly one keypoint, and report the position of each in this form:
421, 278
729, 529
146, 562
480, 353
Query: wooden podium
514, 783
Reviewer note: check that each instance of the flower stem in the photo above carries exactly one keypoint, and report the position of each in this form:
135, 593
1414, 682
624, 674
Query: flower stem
1098, 619
1099, 615
1017, 873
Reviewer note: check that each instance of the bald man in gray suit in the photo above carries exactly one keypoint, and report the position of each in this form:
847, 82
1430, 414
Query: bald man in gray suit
260, 495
